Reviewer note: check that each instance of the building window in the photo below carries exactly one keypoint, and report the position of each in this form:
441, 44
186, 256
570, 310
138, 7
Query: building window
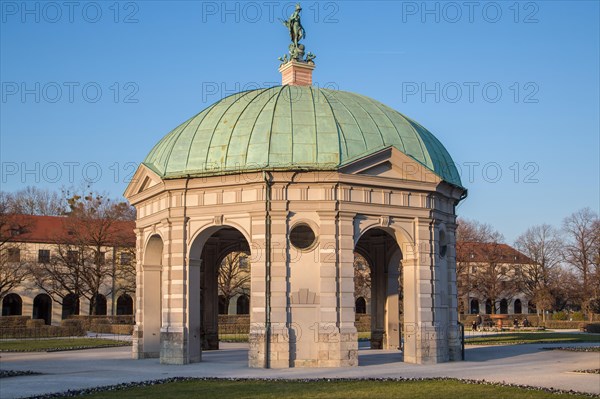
243, 305
101, 258
474, 306
72, 256
125, 258
518, 307
14, 255
360, 305
302, 236
44, 256
473, 269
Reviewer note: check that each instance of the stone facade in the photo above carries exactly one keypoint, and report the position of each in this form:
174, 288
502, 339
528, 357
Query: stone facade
302, 300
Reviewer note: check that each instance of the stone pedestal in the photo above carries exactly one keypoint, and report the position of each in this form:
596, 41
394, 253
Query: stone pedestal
296, 73
173, 348
337, 349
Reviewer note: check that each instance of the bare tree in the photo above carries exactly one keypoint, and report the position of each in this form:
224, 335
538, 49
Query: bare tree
474, 231
80, 265
362, 277
13, 268
62, 275
539, 278
484, 268
35, 201
595, 276
581, 251
125, 271
234, 276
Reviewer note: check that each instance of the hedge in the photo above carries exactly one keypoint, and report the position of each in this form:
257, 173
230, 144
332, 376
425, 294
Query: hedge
14, 321
592, 328
37, 329
89, 321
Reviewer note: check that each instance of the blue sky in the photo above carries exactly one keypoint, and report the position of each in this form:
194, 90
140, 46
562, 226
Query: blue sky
510, 88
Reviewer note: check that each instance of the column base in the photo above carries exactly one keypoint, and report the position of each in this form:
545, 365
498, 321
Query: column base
210, 341
279, 349
137, 346
337, 348
427, 344
377, 339
174, 348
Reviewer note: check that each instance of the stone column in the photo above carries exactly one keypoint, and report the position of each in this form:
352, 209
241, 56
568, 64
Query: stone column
278, 347
256, 337
151, 305
392, 311
347, 312
425, 313
174, 330
209, 302
194, 321
454, 336
336, 334
418, 295
138, 334
283, 337
378, 295
411, 303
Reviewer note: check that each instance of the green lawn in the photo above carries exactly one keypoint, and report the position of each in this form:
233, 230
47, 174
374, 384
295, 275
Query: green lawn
431, 389
233, 337
532, 338
42, 345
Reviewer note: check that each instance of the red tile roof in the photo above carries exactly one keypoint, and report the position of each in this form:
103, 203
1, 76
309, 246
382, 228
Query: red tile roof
53, 229
486, 252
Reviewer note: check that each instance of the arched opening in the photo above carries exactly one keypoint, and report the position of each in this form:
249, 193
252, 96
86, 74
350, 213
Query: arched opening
124, 305
151, 291
361, 305
219, 263
243, 305
70, 306
42, 308
518, 306
488, 306
223, 305
504, 306
98, 305
12, 305
474, 306
381, 252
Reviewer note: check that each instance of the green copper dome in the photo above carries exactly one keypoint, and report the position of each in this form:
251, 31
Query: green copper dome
293, 127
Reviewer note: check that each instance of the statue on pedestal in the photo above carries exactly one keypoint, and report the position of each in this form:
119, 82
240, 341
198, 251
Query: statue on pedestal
296, 49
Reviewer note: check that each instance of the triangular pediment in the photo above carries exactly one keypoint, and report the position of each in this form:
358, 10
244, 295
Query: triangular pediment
391, 163
143, 179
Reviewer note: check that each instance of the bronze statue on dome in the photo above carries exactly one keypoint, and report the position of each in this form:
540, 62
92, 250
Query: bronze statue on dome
297, 33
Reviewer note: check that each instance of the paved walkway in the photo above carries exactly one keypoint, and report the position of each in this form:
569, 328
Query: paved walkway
520, 364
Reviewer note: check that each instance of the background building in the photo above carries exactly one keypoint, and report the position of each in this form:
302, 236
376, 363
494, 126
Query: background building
489, 278
54, 267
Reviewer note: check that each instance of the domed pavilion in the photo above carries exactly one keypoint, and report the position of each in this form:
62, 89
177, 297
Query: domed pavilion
301, 179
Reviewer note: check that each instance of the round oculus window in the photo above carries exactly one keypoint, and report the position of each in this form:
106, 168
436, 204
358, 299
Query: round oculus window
302, 236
